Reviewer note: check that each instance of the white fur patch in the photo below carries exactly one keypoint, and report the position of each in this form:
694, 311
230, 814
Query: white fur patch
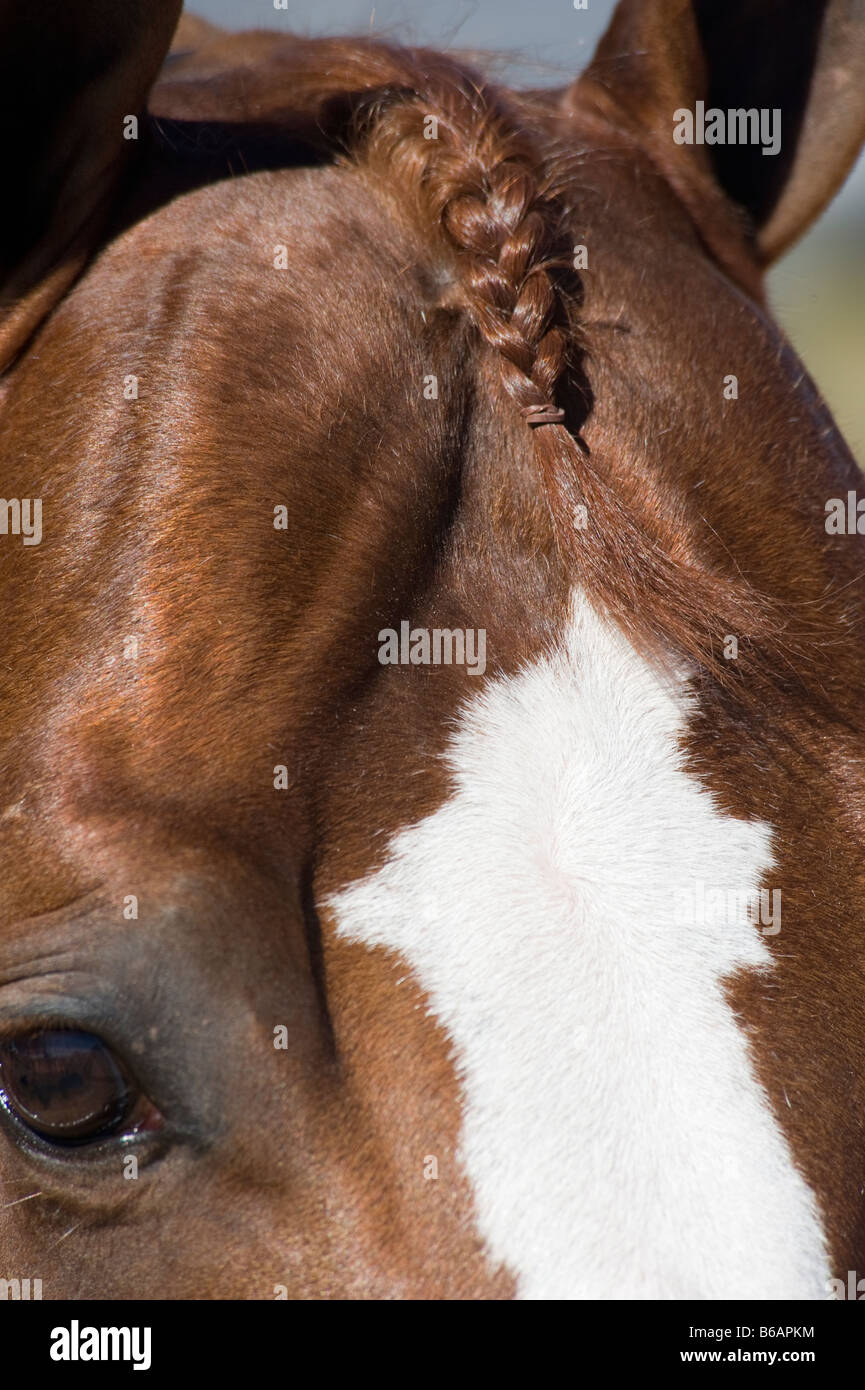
617, 1141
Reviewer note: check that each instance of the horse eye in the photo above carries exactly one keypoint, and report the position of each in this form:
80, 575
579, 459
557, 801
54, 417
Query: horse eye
66, 1086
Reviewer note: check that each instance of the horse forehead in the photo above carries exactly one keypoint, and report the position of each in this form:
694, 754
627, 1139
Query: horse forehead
250, 450
324, 230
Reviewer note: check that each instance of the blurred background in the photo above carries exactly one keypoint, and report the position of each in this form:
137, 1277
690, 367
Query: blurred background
818, 290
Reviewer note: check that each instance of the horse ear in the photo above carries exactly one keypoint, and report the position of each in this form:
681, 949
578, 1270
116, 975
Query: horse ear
800, 67
69, 76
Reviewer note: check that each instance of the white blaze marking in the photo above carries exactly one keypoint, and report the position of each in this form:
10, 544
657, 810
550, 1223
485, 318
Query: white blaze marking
617, 1141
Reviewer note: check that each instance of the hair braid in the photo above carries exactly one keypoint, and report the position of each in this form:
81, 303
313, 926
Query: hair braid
477, 181
494, 190
489, 184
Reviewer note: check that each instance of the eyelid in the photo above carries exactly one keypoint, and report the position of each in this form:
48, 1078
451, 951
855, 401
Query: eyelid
34, 1011
96, 1012
42, 1014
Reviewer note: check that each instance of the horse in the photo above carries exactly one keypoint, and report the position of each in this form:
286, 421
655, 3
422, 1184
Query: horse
432, 777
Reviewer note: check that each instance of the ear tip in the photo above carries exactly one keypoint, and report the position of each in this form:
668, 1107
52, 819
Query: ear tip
800, 68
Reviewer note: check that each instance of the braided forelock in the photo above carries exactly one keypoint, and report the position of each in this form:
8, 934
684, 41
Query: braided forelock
478, 183
494, 188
